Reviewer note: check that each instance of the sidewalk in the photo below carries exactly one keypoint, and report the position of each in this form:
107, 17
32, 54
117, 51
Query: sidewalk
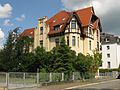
62, 86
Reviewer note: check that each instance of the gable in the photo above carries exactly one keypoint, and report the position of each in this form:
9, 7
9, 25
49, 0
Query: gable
59, 22
85, 15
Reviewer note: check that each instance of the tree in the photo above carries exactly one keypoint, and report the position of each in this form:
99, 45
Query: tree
14, 49
38, 61
81, 63
7, 54
97, 61
63, 58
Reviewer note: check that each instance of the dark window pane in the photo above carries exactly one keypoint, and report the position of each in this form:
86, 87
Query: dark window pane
57, 27
41, 30
90, 45
41, 43
68, 40
73, 40
73, 24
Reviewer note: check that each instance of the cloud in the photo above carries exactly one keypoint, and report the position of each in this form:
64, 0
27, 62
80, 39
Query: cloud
74, 4
5, 10
2, 39
21, 18
107, 10
7, 22
1, 34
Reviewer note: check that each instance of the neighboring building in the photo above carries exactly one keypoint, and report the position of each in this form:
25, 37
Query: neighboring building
110, 50
30, 34
80, 28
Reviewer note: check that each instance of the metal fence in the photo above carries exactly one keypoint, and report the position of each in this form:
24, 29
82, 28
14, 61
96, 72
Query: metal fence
13, 80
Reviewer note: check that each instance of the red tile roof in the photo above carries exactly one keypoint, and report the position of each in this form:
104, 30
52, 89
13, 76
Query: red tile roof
59, 19
85, 15
62, 17
28, 32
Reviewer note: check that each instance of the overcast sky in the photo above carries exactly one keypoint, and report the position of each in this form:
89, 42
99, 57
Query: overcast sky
24, 13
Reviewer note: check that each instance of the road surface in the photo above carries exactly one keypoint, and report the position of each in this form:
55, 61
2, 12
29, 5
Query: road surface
106, 85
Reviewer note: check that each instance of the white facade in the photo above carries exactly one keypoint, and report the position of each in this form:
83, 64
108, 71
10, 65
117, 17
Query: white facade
110, 56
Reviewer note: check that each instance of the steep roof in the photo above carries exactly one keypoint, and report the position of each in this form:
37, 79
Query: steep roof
58, 19
28, 32
84, 15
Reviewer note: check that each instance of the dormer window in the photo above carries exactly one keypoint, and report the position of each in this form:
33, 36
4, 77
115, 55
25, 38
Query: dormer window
57, 27
73, 24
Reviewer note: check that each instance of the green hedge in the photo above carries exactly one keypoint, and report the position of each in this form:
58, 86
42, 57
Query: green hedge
109, 70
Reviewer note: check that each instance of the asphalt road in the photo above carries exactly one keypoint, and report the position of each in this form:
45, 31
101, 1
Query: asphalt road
106, 85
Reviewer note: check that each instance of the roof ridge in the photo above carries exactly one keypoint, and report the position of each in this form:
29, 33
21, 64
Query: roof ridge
83, 8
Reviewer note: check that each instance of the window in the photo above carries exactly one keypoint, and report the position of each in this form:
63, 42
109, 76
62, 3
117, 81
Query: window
68, 40
98, 46
78, 42
41, 30
57, 41
90, 30
57, 27
108, 55
73, 24
97, 33
41, 43
73, 40
109, 65
90, 45
108, 47
107, 39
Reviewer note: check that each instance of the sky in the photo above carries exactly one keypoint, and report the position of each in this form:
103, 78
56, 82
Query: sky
25, 13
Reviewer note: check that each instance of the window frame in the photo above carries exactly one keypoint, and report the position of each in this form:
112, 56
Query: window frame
68, 40
73, 24
108, 47
90, 45
57, 27
108, 55
73, 41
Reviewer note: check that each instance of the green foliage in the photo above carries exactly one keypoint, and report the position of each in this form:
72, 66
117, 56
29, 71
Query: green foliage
88, 63
97, 61
15, 56
7, 54
108, 70
63, 58
38, 60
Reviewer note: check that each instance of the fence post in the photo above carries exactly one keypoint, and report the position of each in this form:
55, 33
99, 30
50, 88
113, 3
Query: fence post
62, 77
37, 78
24, 78
50, 77
7, 80
73, 76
